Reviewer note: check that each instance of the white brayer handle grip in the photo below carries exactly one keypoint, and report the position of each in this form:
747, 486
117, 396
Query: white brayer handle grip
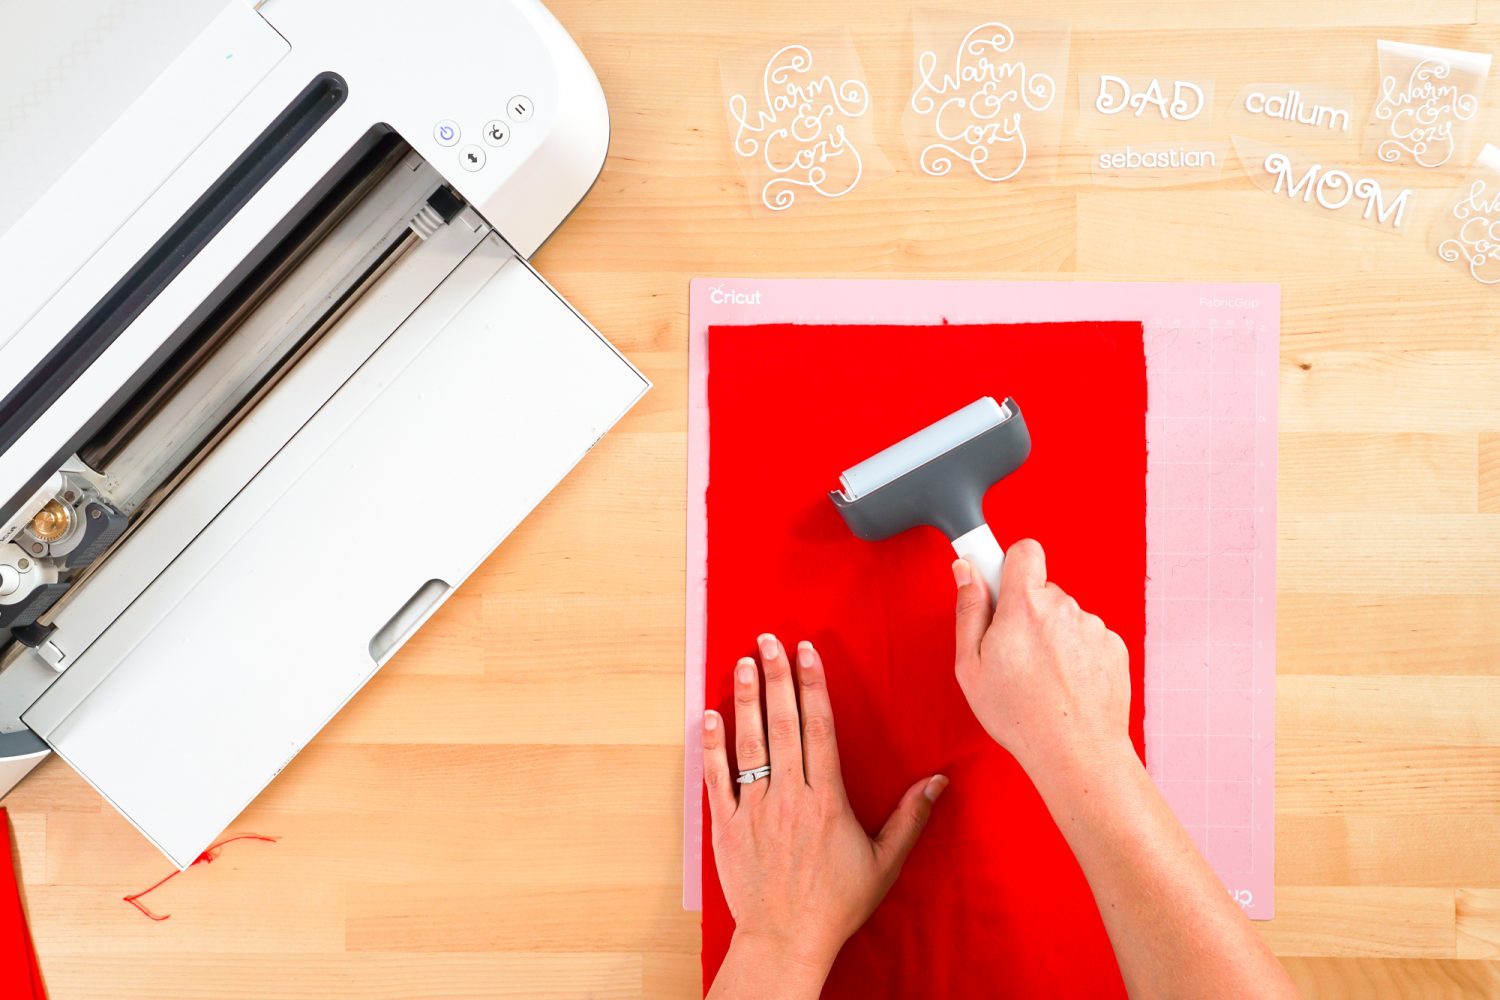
983, 552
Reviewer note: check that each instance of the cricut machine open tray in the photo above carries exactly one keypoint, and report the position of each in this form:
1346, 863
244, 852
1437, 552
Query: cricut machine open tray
328, 384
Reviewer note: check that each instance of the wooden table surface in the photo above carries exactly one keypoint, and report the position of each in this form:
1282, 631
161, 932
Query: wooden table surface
497, 814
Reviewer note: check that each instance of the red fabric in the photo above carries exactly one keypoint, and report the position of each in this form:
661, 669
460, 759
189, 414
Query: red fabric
991, 902
20, 976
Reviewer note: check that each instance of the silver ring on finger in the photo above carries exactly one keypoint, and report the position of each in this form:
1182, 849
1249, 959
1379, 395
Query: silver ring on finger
754, 774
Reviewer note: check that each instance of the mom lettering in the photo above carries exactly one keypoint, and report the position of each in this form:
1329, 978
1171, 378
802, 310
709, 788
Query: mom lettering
1336, 190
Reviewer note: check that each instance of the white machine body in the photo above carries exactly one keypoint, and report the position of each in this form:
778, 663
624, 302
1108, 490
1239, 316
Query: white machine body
275, 320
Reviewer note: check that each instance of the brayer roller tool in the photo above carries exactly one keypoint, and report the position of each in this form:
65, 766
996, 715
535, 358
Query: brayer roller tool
939, 477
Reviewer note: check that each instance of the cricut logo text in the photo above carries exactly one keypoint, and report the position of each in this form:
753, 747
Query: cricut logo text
719, 296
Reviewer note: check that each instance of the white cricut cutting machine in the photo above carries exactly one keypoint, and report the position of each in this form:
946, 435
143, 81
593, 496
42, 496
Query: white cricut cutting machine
275, 375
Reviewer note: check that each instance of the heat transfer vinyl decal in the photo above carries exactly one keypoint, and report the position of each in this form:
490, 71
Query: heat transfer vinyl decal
986, 99
799, 119
1468, 233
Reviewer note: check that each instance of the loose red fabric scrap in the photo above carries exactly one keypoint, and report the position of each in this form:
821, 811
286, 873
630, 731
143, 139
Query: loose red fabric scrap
20, 975
991, 902
207, 857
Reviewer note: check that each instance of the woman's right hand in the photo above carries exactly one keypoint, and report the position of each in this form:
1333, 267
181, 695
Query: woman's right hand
1046, 679
1051, 684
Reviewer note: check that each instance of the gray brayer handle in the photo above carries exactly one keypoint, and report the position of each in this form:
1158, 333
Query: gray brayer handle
938, 477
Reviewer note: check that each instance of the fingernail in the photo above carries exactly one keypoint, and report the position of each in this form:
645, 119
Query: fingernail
935, 786
768, 646
710, 720
961, 572
745, 671
804, 654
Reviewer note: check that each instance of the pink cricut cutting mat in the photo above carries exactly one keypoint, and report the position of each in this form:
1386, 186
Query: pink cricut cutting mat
1212, 357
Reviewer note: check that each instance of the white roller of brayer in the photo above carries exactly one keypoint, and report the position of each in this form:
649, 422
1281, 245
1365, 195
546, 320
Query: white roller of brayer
935, 439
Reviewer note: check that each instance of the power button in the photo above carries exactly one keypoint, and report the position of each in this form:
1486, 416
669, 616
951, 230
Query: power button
446, 132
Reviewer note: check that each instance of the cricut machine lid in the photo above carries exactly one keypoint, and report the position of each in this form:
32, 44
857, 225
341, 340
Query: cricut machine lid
67, 71
279, 611
307, 235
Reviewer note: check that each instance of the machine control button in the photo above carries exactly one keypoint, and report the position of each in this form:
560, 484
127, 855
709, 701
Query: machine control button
446, 132
497, 132
471, 157
519, 108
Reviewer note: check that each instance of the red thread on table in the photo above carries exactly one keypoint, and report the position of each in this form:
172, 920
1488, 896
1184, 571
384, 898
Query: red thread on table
207, 857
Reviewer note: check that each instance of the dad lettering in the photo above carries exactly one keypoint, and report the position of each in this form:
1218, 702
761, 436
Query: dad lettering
1116, 95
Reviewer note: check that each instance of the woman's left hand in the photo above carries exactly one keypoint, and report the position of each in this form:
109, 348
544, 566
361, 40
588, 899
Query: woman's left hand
799, 873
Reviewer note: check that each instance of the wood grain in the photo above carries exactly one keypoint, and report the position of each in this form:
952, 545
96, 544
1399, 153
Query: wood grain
498, 814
